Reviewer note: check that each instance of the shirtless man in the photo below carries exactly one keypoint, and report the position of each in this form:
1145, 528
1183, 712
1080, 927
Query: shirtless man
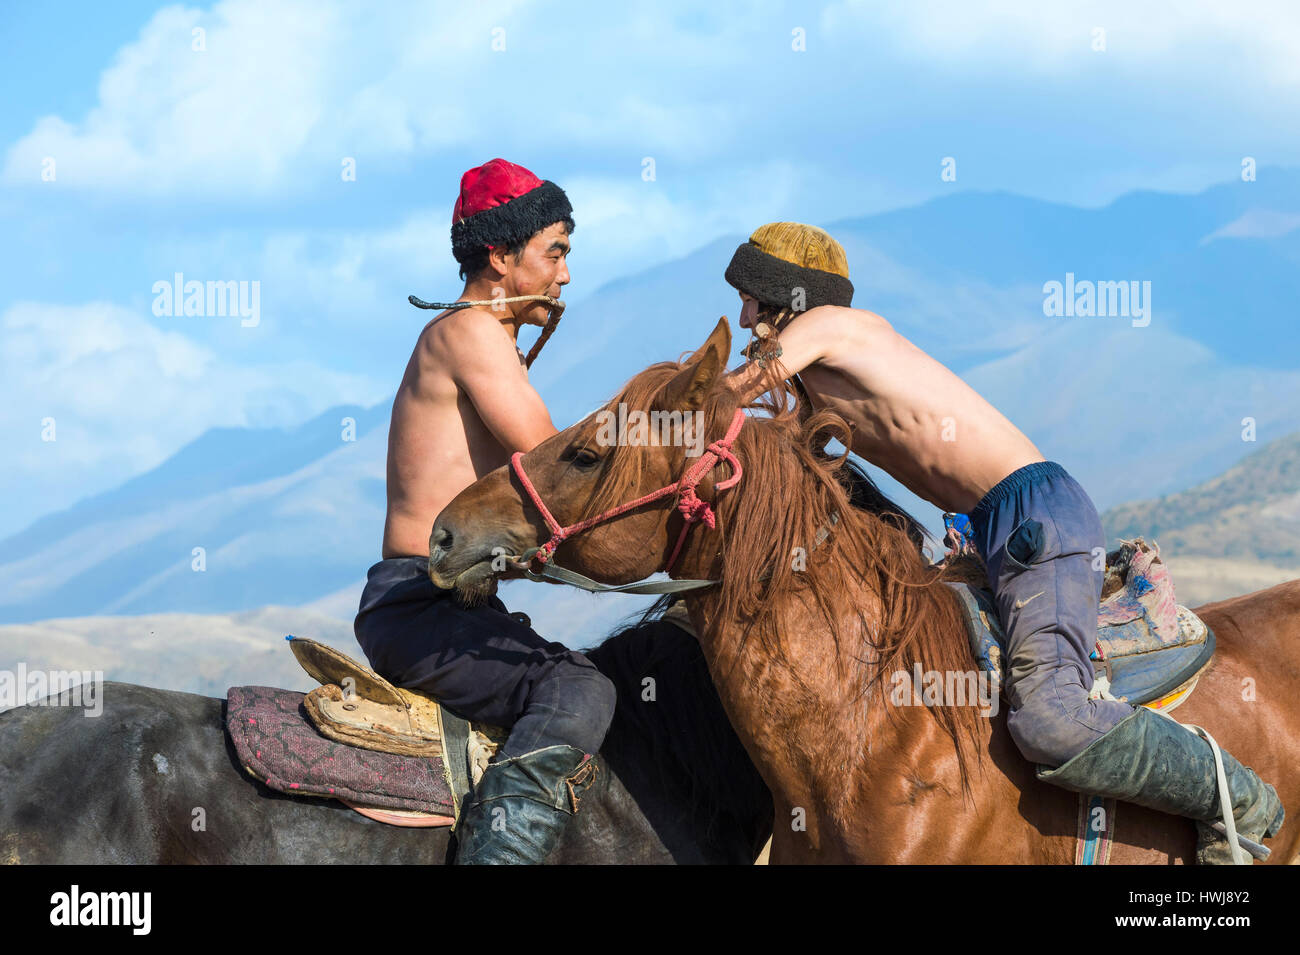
1034, 526
464, 406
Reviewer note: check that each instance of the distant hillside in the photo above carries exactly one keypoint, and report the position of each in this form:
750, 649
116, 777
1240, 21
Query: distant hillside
1230, 535
283, 516
208, 653
195, 653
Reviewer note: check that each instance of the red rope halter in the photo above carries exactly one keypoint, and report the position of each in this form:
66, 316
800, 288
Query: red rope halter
693, 509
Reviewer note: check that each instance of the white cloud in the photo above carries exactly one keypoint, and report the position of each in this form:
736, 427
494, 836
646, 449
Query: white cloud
284, 89
124, 394
272, 102
626, 224
265, 104
1262, 35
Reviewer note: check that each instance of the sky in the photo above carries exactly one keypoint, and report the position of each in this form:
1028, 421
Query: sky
139, 141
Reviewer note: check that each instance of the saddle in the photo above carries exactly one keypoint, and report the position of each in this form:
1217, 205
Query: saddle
1150, 651
394, 755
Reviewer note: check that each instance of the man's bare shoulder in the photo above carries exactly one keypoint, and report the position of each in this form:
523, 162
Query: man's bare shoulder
846, 318
464, 333
837, 337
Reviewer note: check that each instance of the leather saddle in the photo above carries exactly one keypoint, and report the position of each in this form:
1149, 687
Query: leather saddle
1149, 650
356, 706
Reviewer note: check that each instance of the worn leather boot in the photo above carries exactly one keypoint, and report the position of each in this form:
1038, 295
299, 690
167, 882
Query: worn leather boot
1149, 760
1255, 817
521, 805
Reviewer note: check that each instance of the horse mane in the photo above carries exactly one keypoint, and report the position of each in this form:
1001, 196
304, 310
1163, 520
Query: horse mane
791, 489
682, 726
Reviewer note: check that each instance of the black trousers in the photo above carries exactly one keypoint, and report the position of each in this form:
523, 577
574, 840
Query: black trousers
480, 662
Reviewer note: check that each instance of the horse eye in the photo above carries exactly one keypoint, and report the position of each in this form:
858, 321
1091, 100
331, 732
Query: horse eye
584, 459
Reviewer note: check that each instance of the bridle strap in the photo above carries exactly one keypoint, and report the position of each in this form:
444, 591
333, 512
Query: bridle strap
693, 509
562, 575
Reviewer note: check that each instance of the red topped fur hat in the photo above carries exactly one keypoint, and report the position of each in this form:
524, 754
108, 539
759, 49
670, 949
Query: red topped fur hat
501, 203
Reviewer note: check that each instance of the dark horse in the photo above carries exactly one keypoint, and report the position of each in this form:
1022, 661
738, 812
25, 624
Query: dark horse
154, 779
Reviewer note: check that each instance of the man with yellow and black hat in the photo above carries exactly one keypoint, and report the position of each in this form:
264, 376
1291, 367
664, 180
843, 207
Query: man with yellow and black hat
1035, 528
784, 269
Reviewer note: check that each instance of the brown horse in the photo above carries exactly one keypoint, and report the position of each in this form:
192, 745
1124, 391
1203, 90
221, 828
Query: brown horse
804, 642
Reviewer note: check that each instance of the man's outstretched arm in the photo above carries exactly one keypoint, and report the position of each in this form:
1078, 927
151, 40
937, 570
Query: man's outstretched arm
808, 338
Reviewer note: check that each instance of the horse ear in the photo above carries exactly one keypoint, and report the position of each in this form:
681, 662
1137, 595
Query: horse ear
687, 389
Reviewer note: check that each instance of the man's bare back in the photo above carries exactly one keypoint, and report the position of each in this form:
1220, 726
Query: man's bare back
910, 415
464, 406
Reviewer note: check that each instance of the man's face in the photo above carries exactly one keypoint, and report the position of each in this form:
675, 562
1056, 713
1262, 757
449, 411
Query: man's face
541, 270
748, 311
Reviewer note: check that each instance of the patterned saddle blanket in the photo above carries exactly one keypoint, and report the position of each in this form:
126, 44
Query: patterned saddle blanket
1149, 650
392, 754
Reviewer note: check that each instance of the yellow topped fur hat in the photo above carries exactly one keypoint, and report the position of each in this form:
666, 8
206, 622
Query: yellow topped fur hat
781, 258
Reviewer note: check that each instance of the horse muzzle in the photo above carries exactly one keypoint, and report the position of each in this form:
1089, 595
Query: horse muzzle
465, 561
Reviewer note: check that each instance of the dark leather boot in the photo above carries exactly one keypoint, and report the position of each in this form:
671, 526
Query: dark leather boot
520, 806
1149, 760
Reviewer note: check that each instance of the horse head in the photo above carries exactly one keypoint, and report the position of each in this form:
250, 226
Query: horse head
648, 436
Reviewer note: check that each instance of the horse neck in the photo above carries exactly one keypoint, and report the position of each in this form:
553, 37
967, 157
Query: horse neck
802, 714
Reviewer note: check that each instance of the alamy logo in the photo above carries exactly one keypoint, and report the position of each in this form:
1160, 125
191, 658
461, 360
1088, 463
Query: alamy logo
945, 688
639, 429
24, 687
179, 297
1086, 299
102, 908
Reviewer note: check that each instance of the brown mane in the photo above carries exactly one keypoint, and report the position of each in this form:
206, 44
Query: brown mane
790, 490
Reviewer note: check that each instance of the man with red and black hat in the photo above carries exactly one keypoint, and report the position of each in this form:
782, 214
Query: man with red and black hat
464, 406
1034, 526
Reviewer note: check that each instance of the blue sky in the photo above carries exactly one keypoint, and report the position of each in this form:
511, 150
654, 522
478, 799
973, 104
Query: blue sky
223, 163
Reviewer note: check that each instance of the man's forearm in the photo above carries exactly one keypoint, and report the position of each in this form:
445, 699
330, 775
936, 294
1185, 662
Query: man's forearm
748, 381
798, 345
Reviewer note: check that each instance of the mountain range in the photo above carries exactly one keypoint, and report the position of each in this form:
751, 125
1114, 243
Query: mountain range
244, 518
1237, 532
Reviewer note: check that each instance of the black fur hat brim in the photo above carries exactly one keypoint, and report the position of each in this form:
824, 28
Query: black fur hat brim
511, 222
772, 281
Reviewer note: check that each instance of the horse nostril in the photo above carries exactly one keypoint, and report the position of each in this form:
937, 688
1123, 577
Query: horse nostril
441, 539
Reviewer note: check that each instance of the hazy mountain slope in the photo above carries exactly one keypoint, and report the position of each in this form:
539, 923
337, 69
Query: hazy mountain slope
1235, 533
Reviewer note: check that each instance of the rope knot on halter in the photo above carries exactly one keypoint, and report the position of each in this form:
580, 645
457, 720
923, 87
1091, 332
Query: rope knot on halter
696, 509
691, 506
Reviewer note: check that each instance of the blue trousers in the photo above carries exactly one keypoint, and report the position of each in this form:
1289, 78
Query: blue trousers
480, 662
1040, 537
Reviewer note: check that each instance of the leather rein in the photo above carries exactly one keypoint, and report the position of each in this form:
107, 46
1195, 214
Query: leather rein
693, 510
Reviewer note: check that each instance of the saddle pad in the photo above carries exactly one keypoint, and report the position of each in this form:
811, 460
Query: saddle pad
1140, 668
277, 744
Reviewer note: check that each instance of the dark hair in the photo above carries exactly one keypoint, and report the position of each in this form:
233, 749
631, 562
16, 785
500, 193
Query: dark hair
477, 260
